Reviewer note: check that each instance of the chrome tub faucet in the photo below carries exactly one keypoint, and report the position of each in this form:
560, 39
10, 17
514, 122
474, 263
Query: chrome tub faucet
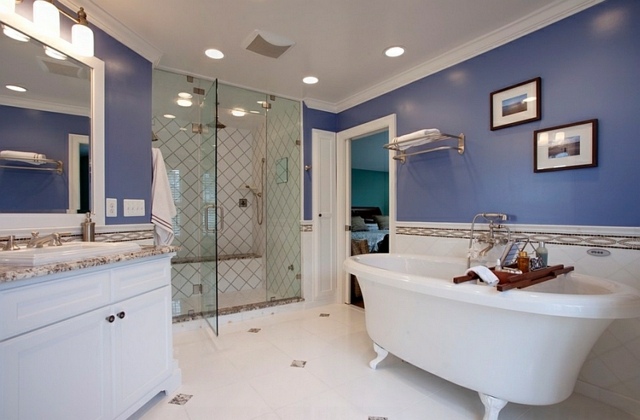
490, 237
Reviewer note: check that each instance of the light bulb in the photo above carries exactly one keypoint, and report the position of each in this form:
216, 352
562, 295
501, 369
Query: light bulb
82, 39
46, 18
8, 6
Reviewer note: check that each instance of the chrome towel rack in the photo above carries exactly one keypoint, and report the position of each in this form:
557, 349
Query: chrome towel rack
58, 168
400, 146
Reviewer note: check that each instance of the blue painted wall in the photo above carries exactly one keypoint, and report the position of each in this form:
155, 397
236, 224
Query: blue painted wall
127, 125
370, 189
589, 68
28, 130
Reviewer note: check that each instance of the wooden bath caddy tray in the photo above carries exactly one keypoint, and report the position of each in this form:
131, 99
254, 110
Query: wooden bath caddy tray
511, 281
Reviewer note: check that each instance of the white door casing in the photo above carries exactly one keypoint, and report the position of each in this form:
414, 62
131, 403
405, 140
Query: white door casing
324, 215
343, 214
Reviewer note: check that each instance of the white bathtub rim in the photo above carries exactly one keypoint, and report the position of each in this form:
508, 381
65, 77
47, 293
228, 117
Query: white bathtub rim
622, 302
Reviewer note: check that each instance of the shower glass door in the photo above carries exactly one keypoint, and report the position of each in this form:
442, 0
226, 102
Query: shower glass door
187, 136
212, 212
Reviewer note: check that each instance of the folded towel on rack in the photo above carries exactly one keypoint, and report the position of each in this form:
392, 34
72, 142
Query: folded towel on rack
420, 137
162, 207
30, 157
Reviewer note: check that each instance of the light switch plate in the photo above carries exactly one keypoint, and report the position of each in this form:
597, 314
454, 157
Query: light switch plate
133, 207
112, 207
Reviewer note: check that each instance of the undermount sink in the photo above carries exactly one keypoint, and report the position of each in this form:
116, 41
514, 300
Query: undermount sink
70, 251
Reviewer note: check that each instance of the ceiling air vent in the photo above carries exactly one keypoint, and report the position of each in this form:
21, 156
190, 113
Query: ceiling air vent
267, 44
62, 68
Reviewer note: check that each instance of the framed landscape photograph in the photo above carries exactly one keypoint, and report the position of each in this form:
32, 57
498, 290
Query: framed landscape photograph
516, 104
568, 146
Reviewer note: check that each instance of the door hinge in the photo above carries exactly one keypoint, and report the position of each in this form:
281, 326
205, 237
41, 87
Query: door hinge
298, 276
347, 228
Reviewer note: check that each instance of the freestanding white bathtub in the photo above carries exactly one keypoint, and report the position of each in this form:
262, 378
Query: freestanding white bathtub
523, 345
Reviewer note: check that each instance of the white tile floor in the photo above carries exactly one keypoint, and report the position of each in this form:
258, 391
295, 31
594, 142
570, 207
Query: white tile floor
248, 375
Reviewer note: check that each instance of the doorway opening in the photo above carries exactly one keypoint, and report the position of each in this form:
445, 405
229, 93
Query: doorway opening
366, 197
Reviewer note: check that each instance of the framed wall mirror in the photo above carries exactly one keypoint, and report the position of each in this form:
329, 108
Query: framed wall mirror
61, 117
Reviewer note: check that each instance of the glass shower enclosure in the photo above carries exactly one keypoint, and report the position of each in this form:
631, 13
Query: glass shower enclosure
233, 160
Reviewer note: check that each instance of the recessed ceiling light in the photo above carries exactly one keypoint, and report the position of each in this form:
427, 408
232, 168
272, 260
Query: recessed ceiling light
185, 95
54, 53
16, 88
238, 112
310, 80
396, 51
213, 53
170, 116
13, 34
184, 102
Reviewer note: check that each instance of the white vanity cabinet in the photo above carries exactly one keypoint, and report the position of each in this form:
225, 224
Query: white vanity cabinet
87, 344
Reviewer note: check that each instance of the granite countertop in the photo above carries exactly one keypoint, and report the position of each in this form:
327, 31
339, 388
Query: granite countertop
12, 273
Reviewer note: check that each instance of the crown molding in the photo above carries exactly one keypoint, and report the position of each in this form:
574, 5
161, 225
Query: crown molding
548, 15
544, 17
103, 20
320, 105
46, 106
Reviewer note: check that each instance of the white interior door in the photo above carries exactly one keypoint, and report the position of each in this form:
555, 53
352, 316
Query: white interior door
324, 215
343, 215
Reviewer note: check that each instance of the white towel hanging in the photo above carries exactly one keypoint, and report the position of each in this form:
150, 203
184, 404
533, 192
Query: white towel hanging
162, 207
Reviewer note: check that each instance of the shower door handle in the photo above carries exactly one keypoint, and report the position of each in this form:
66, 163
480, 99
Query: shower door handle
220, 220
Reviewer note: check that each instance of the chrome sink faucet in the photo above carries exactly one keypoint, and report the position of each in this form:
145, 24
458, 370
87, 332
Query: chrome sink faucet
37, 242
488, 238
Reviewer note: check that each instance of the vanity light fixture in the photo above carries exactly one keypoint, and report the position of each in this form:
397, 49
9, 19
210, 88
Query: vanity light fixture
395, 51
13, 34
184, 102
46, 17
185, 95
16, 88
238, 112
310, 80
8, 6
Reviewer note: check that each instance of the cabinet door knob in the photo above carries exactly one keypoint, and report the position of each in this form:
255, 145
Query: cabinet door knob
121, 314
111, 318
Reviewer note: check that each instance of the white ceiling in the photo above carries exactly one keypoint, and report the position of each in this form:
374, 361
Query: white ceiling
339, 41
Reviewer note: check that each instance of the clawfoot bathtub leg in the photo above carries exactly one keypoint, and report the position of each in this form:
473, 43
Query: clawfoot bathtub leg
382, 353
492, 406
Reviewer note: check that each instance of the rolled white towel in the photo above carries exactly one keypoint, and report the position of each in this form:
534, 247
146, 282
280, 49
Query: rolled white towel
31, 157
420, 137
484, 273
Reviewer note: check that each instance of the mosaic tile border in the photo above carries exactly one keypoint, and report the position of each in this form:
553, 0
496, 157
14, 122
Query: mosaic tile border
236, 309
204, 258
557, 238
121, 236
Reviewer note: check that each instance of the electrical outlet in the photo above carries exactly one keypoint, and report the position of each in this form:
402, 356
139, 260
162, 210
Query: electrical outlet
112, 207
133, 207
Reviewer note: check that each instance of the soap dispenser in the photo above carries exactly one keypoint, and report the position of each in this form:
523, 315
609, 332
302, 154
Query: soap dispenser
542, 253
88, 229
